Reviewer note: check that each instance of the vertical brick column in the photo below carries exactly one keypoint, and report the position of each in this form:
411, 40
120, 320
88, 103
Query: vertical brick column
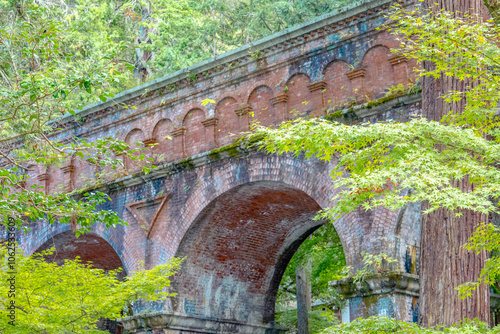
400, 65
357, 78
243, 118
68, 171
210, 139
178, 137
43, 181
318, 100
279, 103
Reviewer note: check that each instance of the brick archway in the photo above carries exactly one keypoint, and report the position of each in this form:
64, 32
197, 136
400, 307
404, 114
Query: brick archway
89, 247
237, 249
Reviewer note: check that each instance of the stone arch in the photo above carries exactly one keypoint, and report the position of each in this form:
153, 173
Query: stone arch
133, 137
338, 85
228, 122
195, 136
263, 110
379, 72
90, 247
165, 146
299, 102
238, 248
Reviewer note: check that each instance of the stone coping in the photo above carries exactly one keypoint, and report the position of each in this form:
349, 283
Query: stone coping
352, 10
193, 323
377, 284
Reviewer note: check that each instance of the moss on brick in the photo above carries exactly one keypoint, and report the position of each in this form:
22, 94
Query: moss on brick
348, 115
187, 163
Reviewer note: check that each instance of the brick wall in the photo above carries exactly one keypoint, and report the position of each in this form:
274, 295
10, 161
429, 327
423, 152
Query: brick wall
239, 215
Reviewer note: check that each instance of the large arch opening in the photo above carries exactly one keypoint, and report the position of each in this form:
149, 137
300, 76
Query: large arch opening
238, 248
92, 249
318, 260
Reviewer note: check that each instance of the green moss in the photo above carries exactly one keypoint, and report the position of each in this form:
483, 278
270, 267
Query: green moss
348, 115
232, 151
342, 116
187, 163
214, 154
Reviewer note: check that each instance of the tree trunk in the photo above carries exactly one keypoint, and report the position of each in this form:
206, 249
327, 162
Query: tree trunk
142, 57
303, 300
444, 264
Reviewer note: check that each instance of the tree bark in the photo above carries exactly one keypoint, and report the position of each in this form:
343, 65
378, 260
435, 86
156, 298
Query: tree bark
444, 263
303, 300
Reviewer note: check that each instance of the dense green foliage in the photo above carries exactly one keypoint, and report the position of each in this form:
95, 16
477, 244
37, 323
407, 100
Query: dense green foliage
71, 298
42, 79
380, 325
170, 35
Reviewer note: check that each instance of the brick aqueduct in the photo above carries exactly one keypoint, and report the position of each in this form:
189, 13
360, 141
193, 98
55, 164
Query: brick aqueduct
236, 214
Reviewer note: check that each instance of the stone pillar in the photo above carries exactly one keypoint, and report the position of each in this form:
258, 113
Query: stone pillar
357, 78
68, 171
211, 132
279, 103
400, 65
318, 97
178, 137
394, 295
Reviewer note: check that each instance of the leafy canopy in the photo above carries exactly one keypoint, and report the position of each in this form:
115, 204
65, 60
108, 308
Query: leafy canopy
71, 298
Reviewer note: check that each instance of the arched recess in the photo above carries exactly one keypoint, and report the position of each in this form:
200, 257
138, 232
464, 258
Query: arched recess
89, 247
238, 248
228, 122
299, 102
259, 101
165, 147
379, 72
338, 85
195, 136
133, 138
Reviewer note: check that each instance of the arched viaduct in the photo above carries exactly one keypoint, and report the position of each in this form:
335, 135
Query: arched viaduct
235, 213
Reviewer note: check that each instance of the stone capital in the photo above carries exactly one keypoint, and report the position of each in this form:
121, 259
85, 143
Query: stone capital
42, 177
394, 60
210, 122
243, 110
282, 98
178, 132
359, 73
319, 85
149, 141
68, 169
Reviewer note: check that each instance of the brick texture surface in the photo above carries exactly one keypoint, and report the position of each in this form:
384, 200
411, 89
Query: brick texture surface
238, 217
